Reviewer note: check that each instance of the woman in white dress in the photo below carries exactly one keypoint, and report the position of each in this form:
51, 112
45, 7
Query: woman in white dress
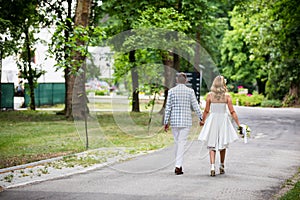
218, 131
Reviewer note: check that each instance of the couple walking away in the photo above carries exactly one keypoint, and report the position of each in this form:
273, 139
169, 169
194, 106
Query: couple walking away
217, 132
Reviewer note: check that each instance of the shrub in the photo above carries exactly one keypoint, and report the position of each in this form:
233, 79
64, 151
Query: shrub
101, 92
254, 99
271, 103
246, 99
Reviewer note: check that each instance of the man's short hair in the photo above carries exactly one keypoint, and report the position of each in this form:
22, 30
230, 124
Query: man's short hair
181, 77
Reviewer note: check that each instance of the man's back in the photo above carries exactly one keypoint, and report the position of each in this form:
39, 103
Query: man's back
181, 100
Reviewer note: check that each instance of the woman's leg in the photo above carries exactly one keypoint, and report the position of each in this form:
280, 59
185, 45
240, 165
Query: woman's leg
222, 159
212, 155
222, 156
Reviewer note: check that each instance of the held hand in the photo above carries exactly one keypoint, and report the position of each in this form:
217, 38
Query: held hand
201, 123
240, 130
166, 127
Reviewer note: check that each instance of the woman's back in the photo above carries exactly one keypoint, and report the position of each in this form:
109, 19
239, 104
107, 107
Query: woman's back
218, 108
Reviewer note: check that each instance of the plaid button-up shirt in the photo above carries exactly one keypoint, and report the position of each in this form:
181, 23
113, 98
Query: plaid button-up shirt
180, 102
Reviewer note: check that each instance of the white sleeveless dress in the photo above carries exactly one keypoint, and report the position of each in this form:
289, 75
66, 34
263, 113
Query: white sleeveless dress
218, 131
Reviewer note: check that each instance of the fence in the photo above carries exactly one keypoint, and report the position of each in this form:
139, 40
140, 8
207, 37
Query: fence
7, 96
47, 94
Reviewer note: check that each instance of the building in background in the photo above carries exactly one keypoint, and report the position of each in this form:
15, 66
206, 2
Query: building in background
101, 57
10, 70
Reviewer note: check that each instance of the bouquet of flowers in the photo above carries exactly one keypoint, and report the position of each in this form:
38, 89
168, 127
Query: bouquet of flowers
245, 131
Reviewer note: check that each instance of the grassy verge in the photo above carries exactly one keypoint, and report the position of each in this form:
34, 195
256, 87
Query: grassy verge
293, 193
291, 188
28, 136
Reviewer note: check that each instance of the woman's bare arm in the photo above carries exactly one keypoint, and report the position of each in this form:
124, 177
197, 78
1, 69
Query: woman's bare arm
207, 107
232, 111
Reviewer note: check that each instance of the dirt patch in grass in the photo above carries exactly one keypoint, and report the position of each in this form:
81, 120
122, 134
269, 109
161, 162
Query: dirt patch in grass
19, 160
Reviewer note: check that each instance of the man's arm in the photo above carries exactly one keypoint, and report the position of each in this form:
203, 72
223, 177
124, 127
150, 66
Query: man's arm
196, 106
167, 112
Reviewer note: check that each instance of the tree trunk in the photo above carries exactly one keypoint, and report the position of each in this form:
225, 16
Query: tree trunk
82, 14
79, 99
70, 80
296, 92
292, 98
67, 70
30, 77
169, 75
176, 63
135, 84
261, 86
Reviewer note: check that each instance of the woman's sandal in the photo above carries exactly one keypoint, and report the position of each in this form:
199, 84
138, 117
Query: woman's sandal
222, 170
212, 172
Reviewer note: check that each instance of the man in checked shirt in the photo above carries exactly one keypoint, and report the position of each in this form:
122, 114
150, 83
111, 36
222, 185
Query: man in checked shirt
180, 102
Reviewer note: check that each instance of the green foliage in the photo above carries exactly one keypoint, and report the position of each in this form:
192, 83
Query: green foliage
121, 66
247, 100
271, 103
149, 69
237, 59
213, 27
98, 92
166, 25
167, 18
250, 52
289, 100
20, 20
101, 92
84, 35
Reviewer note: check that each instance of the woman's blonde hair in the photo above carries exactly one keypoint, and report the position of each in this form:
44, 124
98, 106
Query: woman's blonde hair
218, 87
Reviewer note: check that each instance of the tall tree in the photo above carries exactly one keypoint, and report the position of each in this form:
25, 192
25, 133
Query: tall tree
128, 12
70, 42
236, 57
76, 93
268, 62
166, 19
23, 21
287, 13
59, 47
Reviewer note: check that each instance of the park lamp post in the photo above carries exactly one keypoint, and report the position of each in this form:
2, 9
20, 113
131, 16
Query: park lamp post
201, 76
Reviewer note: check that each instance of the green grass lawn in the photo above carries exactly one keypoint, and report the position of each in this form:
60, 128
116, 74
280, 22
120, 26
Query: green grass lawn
292, 186
293, 193
28, 136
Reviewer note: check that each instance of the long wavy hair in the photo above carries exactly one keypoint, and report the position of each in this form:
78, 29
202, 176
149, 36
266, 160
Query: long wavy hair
218, 87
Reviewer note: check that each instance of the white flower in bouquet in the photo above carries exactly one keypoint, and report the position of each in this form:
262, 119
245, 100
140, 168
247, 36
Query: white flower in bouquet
245, 131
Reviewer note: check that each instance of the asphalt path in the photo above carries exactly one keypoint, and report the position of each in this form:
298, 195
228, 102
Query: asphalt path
255, 170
